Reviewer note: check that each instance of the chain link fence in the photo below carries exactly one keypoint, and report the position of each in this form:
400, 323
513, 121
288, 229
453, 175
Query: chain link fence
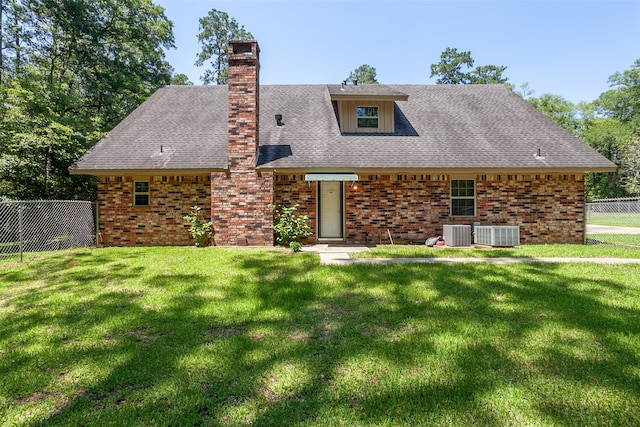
614, 221
45, 225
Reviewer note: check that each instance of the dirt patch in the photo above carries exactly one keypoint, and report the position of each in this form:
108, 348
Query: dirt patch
143, 336
299, 335
34, 398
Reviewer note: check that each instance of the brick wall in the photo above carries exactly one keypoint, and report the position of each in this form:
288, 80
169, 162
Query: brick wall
548, 208
160, 223
292, 189
240, 208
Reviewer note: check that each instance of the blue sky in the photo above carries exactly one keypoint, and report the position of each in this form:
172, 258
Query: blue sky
564, 47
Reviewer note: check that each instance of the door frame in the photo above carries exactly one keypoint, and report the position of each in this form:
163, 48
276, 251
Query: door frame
319, 212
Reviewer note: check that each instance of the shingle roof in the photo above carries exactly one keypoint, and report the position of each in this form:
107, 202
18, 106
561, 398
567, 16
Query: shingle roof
439, 127
188, 122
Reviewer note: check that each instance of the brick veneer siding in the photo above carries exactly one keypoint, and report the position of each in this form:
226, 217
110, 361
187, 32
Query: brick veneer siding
548, 208
293, 189
240, 208
171, 197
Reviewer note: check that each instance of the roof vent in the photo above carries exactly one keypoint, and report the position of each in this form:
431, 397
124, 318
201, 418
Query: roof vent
279, 121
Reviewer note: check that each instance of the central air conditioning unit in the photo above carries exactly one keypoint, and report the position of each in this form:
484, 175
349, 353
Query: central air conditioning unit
497, 235
457, 235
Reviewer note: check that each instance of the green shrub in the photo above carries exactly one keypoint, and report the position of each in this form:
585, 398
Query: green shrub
200, 231
290, 227
295, 246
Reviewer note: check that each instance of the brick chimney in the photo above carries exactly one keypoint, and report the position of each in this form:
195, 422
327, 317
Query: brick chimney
240, 197
244, 103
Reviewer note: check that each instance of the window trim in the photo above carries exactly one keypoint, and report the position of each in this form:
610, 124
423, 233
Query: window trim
376, 117
452, 198
141, 193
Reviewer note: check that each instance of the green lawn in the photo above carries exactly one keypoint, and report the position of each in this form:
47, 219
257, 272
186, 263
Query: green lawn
616, 239
617, 219
187, 336
13, 257
523, 251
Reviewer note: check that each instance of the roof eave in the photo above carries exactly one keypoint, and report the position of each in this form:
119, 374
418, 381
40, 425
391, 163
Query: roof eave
448, 171
150, 172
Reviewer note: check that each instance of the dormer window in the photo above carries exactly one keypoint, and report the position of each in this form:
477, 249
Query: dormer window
367, 117
366, 108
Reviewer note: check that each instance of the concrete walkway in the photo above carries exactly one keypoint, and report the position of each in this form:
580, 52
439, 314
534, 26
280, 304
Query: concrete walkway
339, 255
333, 254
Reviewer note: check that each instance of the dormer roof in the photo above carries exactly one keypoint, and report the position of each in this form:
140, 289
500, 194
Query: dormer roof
350, 92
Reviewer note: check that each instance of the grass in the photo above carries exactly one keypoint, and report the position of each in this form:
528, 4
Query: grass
14, 257
524, 251
616, 239
187, 336
614, 218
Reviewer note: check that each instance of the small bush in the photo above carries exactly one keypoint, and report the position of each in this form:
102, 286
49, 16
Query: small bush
290, 227
200, 231
295, 246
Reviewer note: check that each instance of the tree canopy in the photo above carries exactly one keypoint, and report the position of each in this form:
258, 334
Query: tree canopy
456, 68
623, 100
557, 109
71, 70
181, 79
216, 29
610, 125
364, 74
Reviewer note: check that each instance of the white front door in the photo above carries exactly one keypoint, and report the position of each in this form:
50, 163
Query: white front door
330, 210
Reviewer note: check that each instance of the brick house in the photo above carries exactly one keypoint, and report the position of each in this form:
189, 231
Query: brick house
361, 161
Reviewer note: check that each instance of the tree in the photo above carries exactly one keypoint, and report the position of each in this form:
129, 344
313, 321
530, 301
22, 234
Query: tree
181, 79
14, 34
630, 169
623, 101
611, 125
216, 29
1, 39
606, 135
455, 68
488, 74
451, 67
525, 91
72, 70
364, 74
558, 109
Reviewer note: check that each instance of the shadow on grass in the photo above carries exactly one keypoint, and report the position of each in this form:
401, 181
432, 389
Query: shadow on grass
262, 338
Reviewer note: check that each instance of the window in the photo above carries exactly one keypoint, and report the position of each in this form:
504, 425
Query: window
141, 193
367, 117
463, 198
